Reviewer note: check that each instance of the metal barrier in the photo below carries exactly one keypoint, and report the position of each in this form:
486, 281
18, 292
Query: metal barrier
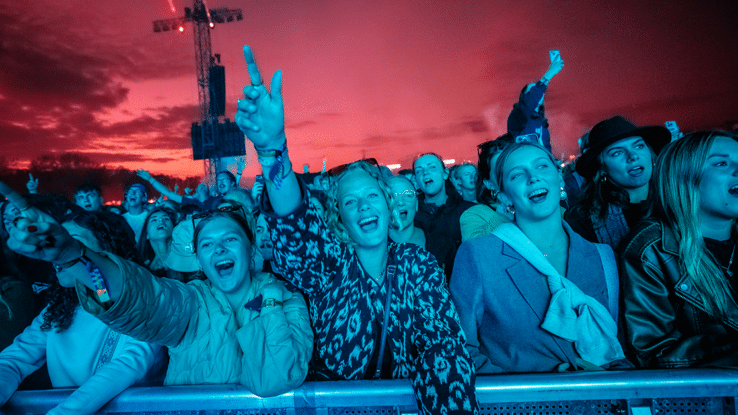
637, 392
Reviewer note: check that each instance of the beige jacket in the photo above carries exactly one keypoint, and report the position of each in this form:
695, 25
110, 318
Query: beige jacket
209, 342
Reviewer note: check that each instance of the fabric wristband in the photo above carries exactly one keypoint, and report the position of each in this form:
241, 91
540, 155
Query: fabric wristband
277, 171
98, 280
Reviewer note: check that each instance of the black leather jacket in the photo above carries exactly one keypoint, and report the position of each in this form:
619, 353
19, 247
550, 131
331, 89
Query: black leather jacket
666, 326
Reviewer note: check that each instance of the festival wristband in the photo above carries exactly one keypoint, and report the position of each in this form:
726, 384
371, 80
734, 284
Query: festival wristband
98, 280
277, 172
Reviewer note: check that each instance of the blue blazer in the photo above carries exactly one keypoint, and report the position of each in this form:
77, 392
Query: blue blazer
502, 301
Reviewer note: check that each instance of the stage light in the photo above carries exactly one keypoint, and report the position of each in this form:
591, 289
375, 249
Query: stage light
212, 24
181, 29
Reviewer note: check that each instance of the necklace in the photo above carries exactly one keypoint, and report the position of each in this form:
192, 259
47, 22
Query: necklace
730, 263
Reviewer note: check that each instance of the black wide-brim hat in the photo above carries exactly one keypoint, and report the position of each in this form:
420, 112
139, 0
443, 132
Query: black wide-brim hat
613, 130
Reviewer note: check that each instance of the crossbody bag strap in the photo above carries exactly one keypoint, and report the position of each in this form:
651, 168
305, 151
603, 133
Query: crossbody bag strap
388, 279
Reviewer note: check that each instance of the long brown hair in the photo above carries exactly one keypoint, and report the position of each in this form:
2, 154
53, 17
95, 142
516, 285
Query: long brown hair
676, 181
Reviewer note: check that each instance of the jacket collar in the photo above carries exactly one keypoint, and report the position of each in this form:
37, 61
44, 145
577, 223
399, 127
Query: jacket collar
452, 201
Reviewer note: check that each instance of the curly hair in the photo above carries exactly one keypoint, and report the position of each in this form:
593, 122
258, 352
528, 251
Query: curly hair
112, 238
333, 215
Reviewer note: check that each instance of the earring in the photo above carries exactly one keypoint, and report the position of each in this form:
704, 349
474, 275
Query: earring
510, 210
562, 194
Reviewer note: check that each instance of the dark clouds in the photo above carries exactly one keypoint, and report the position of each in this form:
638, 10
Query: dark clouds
61, 80
388, 79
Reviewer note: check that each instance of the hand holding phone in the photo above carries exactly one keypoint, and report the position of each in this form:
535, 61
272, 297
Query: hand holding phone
557, 64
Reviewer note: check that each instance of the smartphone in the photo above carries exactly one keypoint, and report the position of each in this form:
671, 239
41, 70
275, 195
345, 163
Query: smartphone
259, 178
554, 54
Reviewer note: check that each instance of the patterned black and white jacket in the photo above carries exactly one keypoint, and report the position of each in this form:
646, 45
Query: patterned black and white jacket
347, 308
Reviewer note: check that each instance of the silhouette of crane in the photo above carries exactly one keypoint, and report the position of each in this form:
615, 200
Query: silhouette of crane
211, 139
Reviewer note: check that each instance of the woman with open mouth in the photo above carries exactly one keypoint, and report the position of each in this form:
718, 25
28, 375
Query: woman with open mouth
236, 326
380, 310
562, 288
75, 346
679, 266
156, 242
616, 164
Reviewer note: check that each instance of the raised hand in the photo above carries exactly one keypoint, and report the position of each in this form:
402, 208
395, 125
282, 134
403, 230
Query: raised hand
257, 189
241, 164
32, 184
260, 113
35, 234
276, 290
144, 174
555, 67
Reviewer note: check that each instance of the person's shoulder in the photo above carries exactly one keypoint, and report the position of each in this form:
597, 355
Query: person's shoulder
465, 204
646, 233
414, 258
479, 209
484, 244
403, 251
577, 213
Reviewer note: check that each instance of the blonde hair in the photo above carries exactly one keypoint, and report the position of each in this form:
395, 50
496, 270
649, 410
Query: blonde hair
676, 181
505, 154
332, 213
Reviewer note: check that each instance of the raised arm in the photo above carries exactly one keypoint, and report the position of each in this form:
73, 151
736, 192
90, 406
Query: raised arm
32, 184
38, 235
260, 116
554, 68
171, 195
241, 164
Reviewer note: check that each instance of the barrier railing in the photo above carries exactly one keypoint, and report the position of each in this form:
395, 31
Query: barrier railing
635, 392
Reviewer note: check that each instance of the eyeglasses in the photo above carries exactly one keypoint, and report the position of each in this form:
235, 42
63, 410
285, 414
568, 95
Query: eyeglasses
408, 195
340, 169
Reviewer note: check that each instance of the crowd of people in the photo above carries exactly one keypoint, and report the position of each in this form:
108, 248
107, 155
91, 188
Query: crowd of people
436, 275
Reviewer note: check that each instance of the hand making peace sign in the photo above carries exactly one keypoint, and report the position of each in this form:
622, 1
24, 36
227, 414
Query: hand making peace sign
261, 113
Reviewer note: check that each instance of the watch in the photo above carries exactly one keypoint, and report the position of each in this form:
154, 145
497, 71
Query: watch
270, 302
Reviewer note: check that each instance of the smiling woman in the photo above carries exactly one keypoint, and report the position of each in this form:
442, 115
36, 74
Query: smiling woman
563, 289
380, 309
211, 335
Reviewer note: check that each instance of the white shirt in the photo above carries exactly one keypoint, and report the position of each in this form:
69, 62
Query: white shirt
136, 222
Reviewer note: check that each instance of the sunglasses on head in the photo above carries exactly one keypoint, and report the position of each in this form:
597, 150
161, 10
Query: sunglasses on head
340, 169
203, 215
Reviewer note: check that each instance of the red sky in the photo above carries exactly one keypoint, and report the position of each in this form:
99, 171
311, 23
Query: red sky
384, 79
